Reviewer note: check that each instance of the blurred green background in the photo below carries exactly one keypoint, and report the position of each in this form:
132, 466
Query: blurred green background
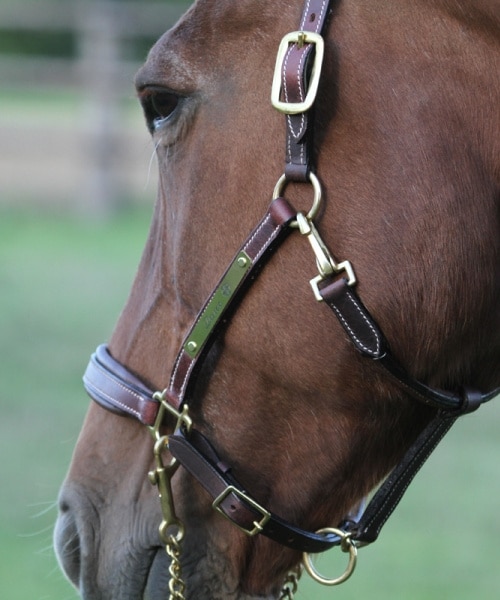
76, 192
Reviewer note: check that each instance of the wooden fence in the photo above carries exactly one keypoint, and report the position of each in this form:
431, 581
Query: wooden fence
91, 156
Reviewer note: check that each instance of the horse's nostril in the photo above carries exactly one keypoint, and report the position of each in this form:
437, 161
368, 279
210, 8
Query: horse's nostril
67, 543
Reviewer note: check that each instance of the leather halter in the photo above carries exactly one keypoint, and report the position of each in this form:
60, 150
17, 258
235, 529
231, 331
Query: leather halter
115, 388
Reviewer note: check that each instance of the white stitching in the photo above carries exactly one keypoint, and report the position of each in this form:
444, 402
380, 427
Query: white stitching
264, 245
352, 332
99, 391
288, 117
318, 20
304, 14
176, 366
259, 254
118, 383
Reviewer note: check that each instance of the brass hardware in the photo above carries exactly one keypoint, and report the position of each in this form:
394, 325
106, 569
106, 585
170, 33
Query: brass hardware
300, 38
346, 545
182, 418
345, 266
325, 262
176, 584
314, 181
291, 584
217, 304
258, 525
242, 262
163, 473
161, 477
192, 346
171, 529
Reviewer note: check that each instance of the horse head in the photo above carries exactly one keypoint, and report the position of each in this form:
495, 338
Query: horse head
406, 148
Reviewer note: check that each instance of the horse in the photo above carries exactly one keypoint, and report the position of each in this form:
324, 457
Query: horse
403, 176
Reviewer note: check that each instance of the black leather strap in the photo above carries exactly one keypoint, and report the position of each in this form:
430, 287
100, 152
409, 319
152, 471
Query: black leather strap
368, 339
390, 493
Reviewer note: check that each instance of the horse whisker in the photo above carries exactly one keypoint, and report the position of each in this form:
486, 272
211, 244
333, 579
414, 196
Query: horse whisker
150, 166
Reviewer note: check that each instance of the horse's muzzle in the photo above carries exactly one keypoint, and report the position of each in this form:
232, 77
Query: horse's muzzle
75, 536
67, 546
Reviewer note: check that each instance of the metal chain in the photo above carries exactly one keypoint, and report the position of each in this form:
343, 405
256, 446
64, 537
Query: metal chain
291, 584
176, 584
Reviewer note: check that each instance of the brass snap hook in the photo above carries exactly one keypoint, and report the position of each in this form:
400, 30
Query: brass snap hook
346, 545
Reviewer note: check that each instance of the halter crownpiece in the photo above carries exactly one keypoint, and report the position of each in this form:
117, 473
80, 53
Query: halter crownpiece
114, 387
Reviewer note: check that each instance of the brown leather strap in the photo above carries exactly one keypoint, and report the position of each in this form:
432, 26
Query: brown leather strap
295, 75
117, 389
258, 247
197, 455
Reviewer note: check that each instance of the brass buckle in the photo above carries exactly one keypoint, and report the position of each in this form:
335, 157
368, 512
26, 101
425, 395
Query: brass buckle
258, 525
301, 38
182, 418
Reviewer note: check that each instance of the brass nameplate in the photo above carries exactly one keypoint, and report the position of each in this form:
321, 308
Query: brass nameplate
217, 304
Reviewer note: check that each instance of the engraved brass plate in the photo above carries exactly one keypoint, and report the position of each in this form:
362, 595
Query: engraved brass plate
217, 304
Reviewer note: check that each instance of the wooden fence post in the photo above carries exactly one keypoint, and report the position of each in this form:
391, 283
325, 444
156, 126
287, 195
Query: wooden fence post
99, 64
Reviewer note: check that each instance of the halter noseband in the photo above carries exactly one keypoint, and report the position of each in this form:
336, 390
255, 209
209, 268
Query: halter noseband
115, 388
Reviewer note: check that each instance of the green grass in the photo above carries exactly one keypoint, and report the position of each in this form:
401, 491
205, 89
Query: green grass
63, 283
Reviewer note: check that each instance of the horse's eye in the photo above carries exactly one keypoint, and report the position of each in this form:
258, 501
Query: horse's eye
159, 105
164, 104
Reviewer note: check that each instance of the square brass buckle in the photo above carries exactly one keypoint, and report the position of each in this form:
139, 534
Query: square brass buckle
298, 37
258, 525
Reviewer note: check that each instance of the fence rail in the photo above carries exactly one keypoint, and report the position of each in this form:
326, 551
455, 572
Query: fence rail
105, 164
131, 18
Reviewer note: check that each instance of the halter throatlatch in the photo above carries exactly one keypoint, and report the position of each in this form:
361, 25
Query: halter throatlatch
295, 84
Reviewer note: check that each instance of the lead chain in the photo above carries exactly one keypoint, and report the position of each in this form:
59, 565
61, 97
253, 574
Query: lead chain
291, 584
176, 584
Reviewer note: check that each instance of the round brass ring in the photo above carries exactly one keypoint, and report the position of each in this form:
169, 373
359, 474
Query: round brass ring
346, 545
311, 215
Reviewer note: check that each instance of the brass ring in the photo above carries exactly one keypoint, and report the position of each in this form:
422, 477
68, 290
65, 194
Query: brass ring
347, 545
173, 530
311, 215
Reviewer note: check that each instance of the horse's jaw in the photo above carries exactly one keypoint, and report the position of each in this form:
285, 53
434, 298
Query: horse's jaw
108, 546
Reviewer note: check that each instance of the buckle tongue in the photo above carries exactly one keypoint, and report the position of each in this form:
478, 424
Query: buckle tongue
258, 526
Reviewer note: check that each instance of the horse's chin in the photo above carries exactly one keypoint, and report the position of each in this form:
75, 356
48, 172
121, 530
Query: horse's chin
158, 577
199, 584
